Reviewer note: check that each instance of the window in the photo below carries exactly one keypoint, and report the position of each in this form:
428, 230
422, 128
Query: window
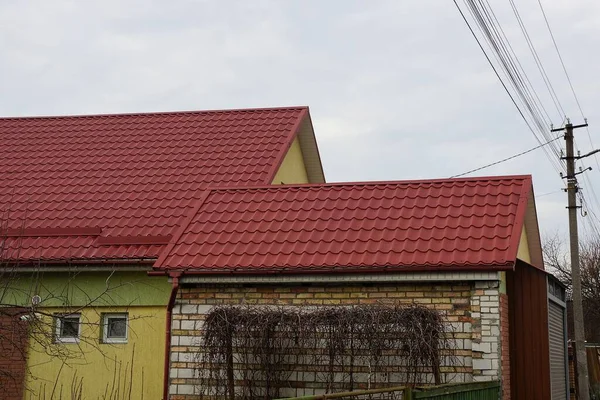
68, 328
114, 328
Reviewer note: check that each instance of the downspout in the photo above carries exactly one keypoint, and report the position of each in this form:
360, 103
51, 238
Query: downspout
175, 288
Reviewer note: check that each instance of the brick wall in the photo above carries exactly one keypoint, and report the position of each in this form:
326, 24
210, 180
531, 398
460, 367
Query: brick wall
471, 309
485, 313
13, 347
505, 349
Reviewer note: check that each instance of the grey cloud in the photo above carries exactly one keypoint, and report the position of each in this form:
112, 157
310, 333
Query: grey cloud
397, 89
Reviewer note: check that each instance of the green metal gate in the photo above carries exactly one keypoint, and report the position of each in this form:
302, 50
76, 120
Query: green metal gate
466, 391
458, 391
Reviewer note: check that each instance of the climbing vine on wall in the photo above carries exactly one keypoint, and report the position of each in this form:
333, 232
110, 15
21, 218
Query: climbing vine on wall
253, 352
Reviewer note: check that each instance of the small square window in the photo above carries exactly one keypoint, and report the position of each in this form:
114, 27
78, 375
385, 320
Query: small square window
68, 328
114, 328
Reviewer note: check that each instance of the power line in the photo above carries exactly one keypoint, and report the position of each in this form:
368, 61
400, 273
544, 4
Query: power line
493, 67
507, 158
549, 120
562, 63
537, 60
547, 194
560, 58
500, 41
543, 74
489, 30
592, 219
490, 33
515, 76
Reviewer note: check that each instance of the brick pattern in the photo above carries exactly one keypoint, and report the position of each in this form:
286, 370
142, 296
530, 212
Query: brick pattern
13, 347
485, 314
454, 300
505, 348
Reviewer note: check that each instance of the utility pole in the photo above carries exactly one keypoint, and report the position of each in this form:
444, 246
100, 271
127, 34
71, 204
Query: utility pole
572, 189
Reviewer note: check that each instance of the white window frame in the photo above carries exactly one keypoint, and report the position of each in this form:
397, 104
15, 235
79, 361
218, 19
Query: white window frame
105, 318
59, 325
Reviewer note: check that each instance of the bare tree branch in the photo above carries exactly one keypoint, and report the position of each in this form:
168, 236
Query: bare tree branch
556, 260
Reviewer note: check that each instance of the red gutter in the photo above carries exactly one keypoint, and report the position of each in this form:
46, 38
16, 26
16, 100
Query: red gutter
175, 280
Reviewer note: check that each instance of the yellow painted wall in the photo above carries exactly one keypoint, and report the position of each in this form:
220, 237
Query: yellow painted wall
111, 370
292, 169
78, 289
523, 253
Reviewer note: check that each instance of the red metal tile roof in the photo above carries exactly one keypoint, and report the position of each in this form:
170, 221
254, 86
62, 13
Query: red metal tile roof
455, 223
127, 175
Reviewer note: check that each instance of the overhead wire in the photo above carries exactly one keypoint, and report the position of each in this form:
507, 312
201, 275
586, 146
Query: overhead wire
522, 70
525, 98
488, 28
514, 62
537, 60
560, 58
590, 206
564, 68
593, 220
547, 194
494, 68
501, 57
505, 159
518, 85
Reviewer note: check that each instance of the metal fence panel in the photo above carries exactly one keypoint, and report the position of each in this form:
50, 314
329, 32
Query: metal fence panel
393, 393
467, 391
461, 391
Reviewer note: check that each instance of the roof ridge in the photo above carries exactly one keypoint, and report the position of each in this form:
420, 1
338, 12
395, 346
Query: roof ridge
185, 222
149, 113
370, 183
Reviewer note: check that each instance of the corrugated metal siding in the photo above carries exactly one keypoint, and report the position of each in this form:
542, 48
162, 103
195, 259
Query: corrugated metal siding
529, 350
556, 330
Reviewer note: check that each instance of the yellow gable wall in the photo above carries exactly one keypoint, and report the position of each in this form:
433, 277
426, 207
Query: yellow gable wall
523, 253
292, 169
101, 370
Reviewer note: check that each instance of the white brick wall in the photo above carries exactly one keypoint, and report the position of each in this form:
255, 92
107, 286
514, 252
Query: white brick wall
485, 305
478, 335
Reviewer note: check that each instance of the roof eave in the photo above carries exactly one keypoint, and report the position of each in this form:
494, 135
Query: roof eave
506, 266
81, 265
310, 151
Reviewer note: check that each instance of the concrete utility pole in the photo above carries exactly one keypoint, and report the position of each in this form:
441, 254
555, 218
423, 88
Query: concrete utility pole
572, 189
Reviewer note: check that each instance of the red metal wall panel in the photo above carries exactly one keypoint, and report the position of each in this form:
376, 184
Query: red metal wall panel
13, 349
529, 345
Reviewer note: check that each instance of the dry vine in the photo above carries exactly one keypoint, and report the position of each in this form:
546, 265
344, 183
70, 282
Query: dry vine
251, 352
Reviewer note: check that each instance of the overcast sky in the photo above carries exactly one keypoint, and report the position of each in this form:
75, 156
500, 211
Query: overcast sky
396, 89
